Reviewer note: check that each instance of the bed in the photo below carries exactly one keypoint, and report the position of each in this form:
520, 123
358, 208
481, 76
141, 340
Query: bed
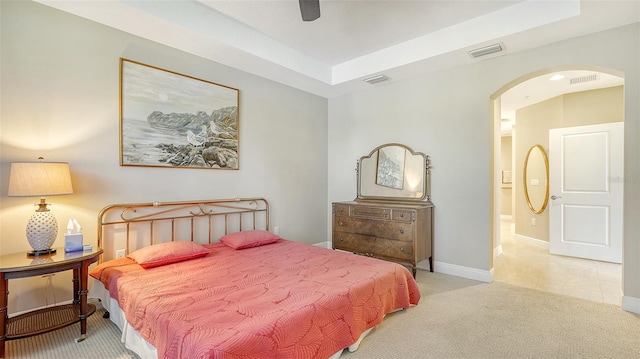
206, 279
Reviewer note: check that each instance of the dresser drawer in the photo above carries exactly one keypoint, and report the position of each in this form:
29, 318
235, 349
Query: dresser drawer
403, 215
385, 229
363, 212
373, 246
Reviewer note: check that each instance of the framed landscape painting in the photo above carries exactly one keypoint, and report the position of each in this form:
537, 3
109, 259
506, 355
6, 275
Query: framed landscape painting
172, 120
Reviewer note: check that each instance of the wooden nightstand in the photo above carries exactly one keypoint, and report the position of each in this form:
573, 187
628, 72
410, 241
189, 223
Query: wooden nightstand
19, 265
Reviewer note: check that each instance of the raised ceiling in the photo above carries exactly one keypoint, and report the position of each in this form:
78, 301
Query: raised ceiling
353, 39
348, 30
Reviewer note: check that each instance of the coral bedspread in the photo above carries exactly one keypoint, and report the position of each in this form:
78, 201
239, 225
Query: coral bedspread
284, 300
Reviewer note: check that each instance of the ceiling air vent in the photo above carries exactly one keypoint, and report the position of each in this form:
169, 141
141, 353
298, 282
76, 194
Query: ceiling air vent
375, 79
487, 50
581, 79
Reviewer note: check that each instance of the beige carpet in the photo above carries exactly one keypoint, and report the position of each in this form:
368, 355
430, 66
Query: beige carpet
456, 318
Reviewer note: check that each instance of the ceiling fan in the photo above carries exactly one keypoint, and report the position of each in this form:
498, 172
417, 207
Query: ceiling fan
310, 9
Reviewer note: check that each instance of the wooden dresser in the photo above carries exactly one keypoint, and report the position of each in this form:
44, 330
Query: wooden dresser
399, 232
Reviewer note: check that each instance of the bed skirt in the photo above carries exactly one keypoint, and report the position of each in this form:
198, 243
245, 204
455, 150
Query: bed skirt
131, 339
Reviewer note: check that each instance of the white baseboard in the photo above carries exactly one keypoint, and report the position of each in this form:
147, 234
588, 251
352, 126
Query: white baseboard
326, 244
535, 241
631, 304
464, 272
497, 251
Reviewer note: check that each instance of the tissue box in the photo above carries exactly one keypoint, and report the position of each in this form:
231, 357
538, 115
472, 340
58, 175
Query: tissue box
73, 242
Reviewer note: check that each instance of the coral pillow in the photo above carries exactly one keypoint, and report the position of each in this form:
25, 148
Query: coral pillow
248, 239
166, 253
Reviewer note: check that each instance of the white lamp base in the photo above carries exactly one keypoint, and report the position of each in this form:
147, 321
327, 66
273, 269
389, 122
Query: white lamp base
42, 230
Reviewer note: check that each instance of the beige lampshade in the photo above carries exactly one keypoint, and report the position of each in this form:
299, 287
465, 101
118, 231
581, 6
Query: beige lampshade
30, 179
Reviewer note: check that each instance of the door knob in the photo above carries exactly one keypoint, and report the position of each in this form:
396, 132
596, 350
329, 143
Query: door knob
554, 197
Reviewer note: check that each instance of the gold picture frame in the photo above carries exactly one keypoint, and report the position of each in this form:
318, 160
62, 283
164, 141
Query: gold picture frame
168, 119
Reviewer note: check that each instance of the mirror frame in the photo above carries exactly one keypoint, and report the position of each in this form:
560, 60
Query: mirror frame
524, 180
425, 189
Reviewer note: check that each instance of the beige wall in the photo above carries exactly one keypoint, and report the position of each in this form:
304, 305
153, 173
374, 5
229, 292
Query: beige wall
533, 125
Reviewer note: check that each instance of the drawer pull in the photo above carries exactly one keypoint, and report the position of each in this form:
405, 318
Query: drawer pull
341, 224
401, 249
402, 231
341, 239
402, 215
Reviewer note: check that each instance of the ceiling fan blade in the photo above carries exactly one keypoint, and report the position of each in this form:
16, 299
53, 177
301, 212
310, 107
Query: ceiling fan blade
310, 9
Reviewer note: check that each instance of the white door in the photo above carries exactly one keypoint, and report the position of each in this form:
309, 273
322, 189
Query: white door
585, 189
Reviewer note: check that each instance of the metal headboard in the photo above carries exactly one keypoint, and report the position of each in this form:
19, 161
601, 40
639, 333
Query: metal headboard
135, 225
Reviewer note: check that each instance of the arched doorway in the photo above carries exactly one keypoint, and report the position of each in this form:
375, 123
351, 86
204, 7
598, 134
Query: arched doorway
531, 92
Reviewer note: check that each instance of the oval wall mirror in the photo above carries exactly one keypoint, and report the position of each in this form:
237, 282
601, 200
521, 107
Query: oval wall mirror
535, 178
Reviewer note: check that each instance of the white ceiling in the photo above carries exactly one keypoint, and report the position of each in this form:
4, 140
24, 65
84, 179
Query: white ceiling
354, 39
348, 30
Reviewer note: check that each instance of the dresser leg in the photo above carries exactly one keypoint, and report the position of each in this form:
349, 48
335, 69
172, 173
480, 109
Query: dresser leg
431, 264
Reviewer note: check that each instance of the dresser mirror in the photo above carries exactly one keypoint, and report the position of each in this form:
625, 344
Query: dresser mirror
536, 179
393, 172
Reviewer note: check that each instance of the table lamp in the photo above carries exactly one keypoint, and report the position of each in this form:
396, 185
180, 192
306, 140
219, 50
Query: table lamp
30, 179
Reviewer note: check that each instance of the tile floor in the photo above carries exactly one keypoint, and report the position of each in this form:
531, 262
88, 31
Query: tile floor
527, 263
